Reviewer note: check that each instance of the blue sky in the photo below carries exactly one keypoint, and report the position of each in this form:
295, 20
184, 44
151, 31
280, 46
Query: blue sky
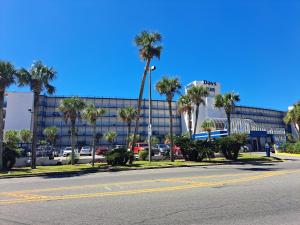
251, 46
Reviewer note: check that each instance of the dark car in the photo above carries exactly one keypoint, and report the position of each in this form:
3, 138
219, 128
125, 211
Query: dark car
101, 150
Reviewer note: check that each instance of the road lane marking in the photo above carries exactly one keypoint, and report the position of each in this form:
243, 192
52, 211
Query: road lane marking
78, 187
190, 184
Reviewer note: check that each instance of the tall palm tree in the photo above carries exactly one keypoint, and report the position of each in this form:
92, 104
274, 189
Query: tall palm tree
185, 106
127, 115
293, 116
50, 133
38, 78
148, 44
208, 126
169, 87
227, 101
71, 108
7, 78
25, 136
98, 137
197, 95
110, 136
91, 114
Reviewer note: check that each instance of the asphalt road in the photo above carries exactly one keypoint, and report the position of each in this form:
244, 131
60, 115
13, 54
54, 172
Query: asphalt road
232, 194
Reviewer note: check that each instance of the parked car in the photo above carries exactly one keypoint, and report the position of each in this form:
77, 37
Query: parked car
68, 151
119, 146
161, 149
45, 151
176, 150
139, 147
101, 150
86, 150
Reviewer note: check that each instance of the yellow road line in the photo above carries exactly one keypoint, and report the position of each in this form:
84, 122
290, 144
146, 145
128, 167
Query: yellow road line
38, 198
180, 179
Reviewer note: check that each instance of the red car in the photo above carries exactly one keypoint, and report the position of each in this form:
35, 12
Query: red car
139, 147
101, 150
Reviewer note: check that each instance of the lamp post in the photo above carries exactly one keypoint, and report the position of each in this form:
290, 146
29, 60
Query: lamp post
152, 68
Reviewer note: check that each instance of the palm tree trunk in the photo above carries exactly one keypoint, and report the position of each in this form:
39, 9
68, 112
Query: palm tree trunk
209, 135
1, 128
94, 144
136, 129
190, 122
171, 132
228, 124
34, 128
73, 142
128, 134
196, 120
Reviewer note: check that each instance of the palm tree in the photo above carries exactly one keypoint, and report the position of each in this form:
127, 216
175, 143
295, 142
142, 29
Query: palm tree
38, 78
197, 95
25, 136
227, 101
110, 136
50, 133
148, 44
185, 106
293, 116
98, 137
7, 78
71, 108
91, 114
207, 126
169, 87
127, 115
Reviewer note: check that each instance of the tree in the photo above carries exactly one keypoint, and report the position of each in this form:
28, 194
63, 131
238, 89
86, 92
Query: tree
197, 95
169, 87
25, 135
148, 45
185, 106
50, 133
98, 137
227, 101
11, 138
38, 78
293, 117
71, 108
110, 136
154, 140
127, 115
131, 137
207, 126
7, 78
91, 114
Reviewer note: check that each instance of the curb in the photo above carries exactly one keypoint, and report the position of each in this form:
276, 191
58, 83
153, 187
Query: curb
116, 169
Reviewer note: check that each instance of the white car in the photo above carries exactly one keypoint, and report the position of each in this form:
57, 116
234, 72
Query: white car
86, 150
68, 151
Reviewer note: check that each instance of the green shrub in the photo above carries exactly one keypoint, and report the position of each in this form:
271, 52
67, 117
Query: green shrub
143, 154
231, 145
293, 148
9, 157
205, 149
187, 147
117, 157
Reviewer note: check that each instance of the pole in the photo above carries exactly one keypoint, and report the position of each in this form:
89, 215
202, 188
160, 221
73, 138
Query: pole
150, 116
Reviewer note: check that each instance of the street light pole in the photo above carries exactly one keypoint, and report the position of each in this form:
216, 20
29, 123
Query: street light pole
152, 68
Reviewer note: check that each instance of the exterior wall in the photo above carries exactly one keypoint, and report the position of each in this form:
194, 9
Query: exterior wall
50, 116
17, 116
208, 110
263, 117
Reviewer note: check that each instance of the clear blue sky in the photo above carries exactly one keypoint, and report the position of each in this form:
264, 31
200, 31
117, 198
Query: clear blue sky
251, 46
